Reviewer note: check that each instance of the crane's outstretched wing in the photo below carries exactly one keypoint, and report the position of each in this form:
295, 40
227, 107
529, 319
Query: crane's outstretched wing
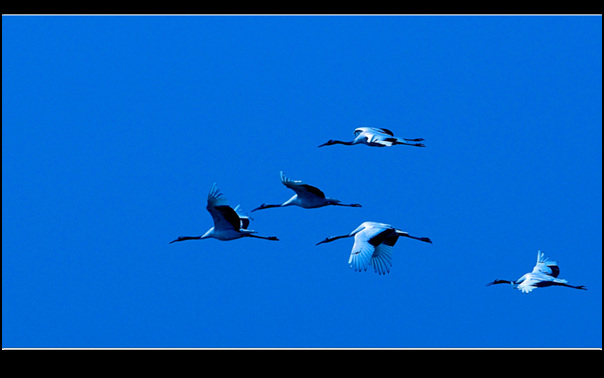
224, 216
376, 136
384, 131
381, 260
361, 253
373, 248
301, 189
372, 130
527, 283
546, 266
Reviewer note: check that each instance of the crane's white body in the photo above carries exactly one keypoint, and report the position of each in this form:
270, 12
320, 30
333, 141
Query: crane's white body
373, 242
376, 137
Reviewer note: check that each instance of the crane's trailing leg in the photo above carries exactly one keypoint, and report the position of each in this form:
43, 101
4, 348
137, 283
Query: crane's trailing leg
410, 144
274, 238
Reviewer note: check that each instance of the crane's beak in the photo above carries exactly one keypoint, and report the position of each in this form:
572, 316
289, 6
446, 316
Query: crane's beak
324, 241
258, 208
176, 240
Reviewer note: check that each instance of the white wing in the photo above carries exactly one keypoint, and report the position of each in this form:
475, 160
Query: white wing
364, 253
361, 254
546, 266
372, 130
526, 283
375, 136
526, 288
243, 216
224, 217
215, 198
382, 259
302, 189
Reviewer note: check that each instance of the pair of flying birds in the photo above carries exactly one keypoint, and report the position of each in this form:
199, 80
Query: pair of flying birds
373, 241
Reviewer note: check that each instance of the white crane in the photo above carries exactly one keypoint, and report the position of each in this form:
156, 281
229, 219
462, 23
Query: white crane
373, 244
544, 274
229, 223
307, 196
376, 137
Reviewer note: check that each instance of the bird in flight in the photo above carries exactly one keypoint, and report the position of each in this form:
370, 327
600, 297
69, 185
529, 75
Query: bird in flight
376, 137
373, 244
307, 196
545, 273
229, 223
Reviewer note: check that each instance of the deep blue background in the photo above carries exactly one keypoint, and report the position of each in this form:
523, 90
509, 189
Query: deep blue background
115, 127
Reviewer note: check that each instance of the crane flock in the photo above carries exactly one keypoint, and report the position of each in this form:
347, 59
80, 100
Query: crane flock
373, 241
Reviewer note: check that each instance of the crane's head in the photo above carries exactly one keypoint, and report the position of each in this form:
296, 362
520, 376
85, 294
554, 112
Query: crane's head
326, 240
495, 282
181, 238
263, 206
328, 143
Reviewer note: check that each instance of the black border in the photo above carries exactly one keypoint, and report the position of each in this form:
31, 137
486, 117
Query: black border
286, 8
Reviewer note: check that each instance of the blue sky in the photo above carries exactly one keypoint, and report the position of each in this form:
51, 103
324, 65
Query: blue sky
115, 127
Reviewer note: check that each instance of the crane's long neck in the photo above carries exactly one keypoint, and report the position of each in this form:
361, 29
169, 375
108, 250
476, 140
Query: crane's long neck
501, 282
331, 142
332, 238
267, 206
208, 234
264, 206
290, 202
183, 238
